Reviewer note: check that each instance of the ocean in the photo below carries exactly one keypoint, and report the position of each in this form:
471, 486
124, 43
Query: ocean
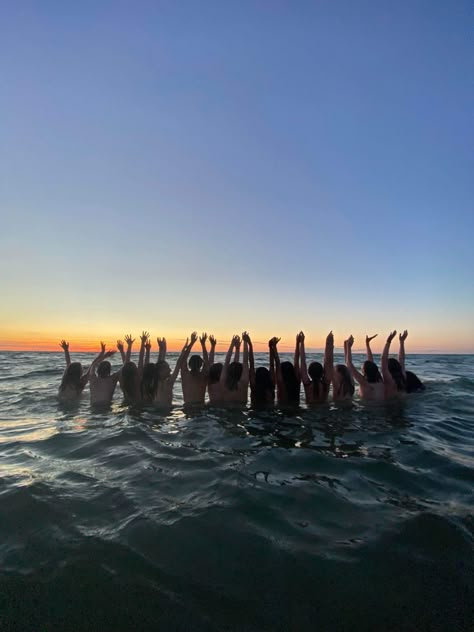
350, 517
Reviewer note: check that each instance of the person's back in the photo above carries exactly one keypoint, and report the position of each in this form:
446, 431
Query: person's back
213, 383
102, 385
194, 381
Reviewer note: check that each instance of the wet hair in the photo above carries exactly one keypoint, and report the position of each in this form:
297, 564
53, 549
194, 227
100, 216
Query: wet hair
371, 372
346, 385
195, 363
263, 386
104, 368
396, 372
413, 383
316, 373
234, 373
72, 377
215, 371
161, 364
128, 381
149, 383
291, 382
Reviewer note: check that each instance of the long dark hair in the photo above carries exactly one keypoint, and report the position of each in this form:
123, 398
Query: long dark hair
234, 373
215, 371
318, 378
128, 380
149, 383
291, 382
72, 377
371, 372
414, 384
396, 372
346, 385
263, 387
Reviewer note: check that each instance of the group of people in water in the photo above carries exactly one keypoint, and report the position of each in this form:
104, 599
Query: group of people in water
228, 382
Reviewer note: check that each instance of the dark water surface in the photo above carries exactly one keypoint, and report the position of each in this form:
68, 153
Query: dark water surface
354, 517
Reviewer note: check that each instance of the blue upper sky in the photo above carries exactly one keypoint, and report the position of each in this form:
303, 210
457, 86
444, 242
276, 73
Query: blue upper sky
268, 165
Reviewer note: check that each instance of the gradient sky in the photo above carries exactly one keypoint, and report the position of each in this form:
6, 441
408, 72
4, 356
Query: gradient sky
262, 165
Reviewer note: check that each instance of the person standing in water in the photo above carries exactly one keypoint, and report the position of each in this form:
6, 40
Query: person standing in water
194, 378
234, 379
370, 381
165, 379
262, 380
393, 372
73, 380
287, 375
317, 377
101, 383
131, 376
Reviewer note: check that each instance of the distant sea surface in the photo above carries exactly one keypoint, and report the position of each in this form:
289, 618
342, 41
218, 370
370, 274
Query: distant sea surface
356, 517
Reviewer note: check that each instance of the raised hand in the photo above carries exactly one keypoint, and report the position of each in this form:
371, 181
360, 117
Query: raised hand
129, 340
120, 345
107, 354
350, 341
402, 337
330, 338
236, 341
203, 338
148, 344
144, 337
102, 347
273, 341
161, 342
391, 336
369, 338
246, 337
212, 340
194, 337
64, 345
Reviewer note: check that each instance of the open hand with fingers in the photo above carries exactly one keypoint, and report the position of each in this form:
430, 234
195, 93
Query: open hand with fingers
369, 338
64, 345
129, 340
402, 337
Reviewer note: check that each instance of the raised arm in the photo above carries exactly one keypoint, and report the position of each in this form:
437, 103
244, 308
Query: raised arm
350, 365
304, 369
143, 340
235, 340
237, 349
401, 354
213, 342
387, 376
121, 350
273, 346
329, 358
205, 357
370, 356
147, 350
91, 370
65, 347
161, 349
245, 363
129, 340
296, 362
187, 350
179, 363
251, 363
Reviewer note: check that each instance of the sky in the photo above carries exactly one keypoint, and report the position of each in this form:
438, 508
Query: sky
262, 165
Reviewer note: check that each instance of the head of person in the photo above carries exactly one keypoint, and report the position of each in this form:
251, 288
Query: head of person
264, 387
414, 384
291, 382
163, 370
195, 363
215, 371
316, 373
371, 372
72, 376
396, 372
104, 368
234, 373
148, 383
128, 380
345, 383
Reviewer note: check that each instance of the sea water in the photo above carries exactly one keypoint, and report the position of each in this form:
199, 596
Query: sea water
344, 517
